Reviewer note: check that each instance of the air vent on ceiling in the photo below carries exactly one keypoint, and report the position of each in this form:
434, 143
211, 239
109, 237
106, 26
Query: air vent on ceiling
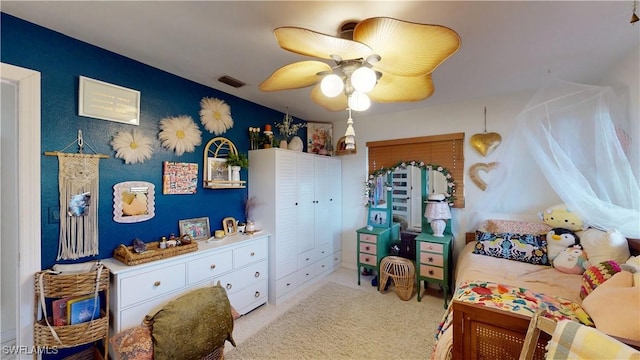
231, 81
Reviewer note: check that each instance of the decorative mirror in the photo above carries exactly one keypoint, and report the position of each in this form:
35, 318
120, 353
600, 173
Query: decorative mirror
133, 201
412, 182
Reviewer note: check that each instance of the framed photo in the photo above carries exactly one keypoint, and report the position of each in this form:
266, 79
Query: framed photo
320, 138
133, 201
197, 228
217, 169
101, 100
230, 226
378, 218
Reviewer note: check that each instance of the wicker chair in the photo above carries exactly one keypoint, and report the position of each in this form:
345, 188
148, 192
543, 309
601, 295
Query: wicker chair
403, 273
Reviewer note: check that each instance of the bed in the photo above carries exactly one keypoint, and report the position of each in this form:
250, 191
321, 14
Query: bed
479, 326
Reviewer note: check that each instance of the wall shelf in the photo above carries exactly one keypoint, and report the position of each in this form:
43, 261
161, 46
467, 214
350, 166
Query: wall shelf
215, 173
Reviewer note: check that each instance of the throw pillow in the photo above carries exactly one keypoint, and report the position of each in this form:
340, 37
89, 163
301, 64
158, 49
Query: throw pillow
514, 226
613, 306
192, 325
527, 248
133, 344
596, 275
602, 246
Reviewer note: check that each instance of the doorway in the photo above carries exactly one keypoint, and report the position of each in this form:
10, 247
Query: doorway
20, 197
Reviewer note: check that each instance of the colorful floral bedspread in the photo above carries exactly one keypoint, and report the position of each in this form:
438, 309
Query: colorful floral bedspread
516, 300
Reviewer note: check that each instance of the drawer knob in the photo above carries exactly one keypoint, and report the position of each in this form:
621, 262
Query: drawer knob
366, 259
430, 272
157, 283
257, 294
288, 284
253, 253
229, 286
430, 259
367, 248
257, 274
213, 266
307, 259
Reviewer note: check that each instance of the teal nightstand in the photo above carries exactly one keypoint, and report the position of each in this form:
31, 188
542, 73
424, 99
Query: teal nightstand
434, 261
373, 245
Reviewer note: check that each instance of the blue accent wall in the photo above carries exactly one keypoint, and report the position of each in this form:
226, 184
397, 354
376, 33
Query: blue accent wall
61, 60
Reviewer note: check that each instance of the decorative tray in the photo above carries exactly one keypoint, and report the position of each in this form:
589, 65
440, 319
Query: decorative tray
127, 255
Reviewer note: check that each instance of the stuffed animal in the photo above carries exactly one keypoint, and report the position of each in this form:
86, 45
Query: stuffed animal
572, 260
559, 239
560, 216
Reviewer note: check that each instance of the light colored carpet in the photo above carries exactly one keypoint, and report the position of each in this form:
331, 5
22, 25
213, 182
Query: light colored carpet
343, 322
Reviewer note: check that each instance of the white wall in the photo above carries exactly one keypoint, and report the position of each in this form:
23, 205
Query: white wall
467, 117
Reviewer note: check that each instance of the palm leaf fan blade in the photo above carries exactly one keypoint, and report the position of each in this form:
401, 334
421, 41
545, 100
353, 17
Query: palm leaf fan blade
295, 76
338, 103
392, 88
311, 43
406, 48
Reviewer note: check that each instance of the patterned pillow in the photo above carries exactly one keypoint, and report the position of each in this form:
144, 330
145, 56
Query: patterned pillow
596, 275
514, 226
527, 248
133, 344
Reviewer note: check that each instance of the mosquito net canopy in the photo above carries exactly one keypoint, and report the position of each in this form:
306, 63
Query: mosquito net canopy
565, 149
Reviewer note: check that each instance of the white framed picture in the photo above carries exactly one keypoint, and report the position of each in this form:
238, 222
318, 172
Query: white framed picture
100, 100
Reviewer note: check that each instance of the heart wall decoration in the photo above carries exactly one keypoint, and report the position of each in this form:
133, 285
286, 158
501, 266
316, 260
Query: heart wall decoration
486, 142
475, 169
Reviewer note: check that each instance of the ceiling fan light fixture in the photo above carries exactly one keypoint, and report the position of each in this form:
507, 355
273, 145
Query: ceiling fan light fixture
364, 79
331, 85
359, 101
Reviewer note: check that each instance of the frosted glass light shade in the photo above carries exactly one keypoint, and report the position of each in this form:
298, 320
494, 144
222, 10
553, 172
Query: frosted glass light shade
359, 101
363, 79
331, 85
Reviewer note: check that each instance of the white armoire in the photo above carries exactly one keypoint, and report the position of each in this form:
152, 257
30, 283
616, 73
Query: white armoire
298, 201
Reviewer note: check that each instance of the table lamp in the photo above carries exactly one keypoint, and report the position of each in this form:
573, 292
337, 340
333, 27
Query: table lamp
438, 212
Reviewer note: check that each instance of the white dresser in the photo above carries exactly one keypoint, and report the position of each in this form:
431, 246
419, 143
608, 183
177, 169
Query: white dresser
239, 262
299, 197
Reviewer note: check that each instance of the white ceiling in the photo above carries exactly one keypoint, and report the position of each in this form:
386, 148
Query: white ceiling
507, 46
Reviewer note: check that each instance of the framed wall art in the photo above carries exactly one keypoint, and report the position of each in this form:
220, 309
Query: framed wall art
133, 201
320, 138
197, 228
100, 100
179, 178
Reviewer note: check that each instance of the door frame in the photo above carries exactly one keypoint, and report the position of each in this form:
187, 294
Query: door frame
29, 211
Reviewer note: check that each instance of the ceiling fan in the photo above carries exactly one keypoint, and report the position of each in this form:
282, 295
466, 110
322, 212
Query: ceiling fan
399, 55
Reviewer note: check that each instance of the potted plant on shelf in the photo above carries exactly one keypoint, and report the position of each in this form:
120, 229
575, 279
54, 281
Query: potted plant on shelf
235, 162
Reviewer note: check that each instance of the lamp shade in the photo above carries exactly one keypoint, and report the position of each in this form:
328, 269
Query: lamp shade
363, 79
359, 101
331, 85
437, 208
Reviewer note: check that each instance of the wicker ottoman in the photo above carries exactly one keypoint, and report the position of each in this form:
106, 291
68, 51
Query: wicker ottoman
403, 273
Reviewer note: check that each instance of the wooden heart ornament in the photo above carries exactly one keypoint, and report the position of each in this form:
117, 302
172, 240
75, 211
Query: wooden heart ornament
485, 143
475, 176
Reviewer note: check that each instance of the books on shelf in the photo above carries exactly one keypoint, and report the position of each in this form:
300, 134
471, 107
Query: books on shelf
82, 309
59, 311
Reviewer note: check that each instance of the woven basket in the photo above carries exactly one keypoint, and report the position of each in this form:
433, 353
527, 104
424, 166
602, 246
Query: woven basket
127, 255
403, 273
69, 285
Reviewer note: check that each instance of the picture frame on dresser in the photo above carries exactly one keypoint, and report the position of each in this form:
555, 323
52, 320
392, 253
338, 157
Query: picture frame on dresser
230, 225
197, 228
378, 218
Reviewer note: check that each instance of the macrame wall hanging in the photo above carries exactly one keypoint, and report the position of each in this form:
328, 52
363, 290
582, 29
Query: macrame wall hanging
78, 180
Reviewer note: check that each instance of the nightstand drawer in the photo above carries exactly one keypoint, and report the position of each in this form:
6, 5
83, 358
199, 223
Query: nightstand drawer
431, 259
368, 248
368, 238
432, 247
368, 259
431, 272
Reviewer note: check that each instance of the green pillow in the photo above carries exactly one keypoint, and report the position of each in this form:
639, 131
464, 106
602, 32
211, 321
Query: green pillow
192, 325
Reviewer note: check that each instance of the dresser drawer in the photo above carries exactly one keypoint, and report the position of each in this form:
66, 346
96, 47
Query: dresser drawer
307, 258
431, 259
431, 272
244, 277
287, 284
307, 274
324, 265
368, 248
432, 247
368, 259
337, 259
250, 297
151, 284
209, 266
368, 238
250, 253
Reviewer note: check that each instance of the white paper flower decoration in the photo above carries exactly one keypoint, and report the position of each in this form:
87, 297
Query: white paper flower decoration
134, 147
215, 115
180, 134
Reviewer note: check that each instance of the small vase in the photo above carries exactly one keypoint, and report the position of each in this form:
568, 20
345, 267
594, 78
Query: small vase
283, 144
235, 174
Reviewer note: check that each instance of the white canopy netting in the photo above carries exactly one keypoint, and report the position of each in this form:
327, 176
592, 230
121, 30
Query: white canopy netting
565, 148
